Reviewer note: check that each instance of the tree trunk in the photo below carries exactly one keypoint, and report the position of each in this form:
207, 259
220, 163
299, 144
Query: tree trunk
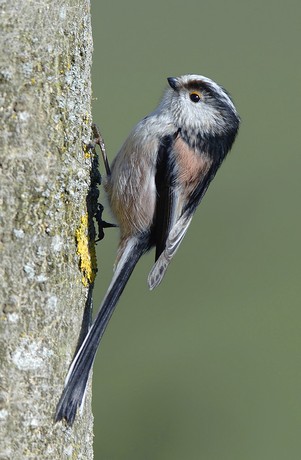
48, 195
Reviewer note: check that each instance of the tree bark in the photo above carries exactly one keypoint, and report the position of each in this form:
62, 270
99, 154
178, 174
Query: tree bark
47, 197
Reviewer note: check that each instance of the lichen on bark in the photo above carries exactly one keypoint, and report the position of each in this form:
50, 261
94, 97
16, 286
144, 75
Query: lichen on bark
45, 177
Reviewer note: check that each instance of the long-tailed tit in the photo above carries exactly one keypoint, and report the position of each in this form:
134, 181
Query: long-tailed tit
157, 180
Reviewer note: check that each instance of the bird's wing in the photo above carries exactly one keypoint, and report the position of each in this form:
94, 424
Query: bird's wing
166, 202
173, 241
183, 177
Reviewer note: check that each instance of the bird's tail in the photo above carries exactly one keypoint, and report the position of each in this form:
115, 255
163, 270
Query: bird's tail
76, 381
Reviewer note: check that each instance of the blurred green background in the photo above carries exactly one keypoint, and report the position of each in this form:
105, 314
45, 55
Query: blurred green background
208, 366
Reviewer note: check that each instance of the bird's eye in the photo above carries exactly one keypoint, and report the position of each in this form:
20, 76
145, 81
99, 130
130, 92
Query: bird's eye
194, 97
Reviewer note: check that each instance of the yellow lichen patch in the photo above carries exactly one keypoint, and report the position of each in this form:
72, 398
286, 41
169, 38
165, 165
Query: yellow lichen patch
87, 118
87, 151
86, 252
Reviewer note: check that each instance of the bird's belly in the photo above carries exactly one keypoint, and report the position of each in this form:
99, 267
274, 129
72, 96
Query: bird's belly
133, 199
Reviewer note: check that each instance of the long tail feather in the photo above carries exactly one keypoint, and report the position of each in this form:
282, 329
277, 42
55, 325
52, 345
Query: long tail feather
77, 378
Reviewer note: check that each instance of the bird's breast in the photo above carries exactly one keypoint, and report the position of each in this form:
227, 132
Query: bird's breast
131, 188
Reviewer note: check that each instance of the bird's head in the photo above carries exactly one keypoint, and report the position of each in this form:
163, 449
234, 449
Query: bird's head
200, 106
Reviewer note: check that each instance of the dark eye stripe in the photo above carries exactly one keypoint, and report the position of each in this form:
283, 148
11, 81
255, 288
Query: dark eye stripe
199, 85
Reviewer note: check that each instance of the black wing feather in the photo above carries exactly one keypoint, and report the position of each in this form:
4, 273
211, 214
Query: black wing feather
165, 180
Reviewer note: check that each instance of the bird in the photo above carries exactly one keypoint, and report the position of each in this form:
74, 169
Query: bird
154, 186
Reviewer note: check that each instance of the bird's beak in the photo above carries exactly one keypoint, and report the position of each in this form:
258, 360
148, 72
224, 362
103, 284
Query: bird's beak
173, 82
